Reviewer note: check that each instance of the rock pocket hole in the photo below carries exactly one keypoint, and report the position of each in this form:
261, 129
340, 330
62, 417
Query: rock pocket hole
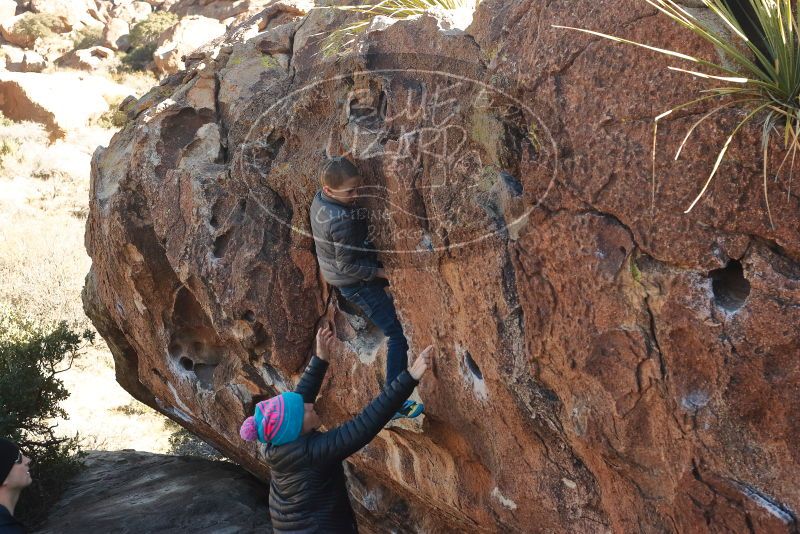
221, 244
472, 366
250, 408
186, 363
249, 316
205, 374
513, 185
729, 286
241, 211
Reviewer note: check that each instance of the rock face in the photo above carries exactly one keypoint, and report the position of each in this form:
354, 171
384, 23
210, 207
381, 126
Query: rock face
18, 60
131, 492
132, 12
606, 362
8, 8
116, 35
187, 35
16, 30
75, 12
89, 59
224, 11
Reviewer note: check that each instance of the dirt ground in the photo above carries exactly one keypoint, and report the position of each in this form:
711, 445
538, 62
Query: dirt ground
44, 192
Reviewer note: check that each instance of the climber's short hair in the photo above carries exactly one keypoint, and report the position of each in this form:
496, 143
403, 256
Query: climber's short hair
337, 171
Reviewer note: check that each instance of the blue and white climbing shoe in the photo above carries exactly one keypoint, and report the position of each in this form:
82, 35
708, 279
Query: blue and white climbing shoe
409, 410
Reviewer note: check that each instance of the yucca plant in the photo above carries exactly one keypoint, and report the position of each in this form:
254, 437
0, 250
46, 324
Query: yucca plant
396, 9
763, 79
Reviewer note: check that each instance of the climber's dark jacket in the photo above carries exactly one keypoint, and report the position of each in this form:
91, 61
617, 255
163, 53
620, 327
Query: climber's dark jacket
9, 525
307, 492
345, 255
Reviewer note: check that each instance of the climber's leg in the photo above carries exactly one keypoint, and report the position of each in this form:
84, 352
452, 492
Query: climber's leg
376, 304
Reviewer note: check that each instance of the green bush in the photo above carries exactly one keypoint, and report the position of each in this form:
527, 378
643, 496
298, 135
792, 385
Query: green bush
143, 39
41, 25
147, 31
184, 443
138, 58
8, 147
31, 357
115, 117
87, 38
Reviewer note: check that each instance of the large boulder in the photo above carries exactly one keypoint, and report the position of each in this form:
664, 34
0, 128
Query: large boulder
89, 59
8, 8
62, 101
76, 12
19, 60
132, 12
161, 5
129, 491
116, 35
26, 28
606, 362
187, 35
224, 11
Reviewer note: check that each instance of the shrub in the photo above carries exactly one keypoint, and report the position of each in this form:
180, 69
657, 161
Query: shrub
184, 443
8, 147
763, 48
137, 59
143, 39
31, 357
147, 31
41, 25
87, 38
115, 117
5, 121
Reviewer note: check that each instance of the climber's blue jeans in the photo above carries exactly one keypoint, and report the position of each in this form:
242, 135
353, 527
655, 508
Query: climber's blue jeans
379, 308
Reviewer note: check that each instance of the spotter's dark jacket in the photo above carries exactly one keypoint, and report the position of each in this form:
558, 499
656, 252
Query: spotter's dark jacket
307, 490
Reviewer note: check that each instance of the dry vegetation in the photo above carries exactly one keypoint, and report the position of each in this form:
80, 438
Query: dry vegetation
44, 192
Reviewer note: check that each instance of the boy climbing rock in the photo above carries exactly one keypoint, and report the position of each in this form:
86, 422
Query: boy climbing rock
348, 261
307, 486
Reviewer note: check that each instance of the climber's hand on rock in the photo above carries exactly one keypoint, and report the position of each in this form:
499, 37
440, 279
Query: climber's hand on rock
325, 343
380, 273
422, 363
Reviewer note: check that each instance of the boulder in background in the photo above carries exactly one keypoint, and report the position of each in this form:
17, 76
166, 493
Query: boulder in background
130, 491
62, 101
186, 36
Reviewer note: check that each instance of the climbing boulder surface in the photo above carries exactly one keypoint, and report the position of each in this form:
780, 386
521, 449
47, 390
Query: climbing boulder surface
605, 361
129, 492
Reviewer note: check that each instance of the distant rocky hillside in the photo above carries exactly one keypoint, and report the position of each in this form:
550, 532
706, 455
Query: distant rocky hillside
65, 63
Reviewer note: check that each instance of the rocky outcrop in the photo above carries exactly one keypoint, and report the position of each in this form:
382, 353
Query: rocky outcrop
606, 362
18, 60
184, 37
128, 491
19, 30
132, 12
77, 13
62, 101
89, 59
227, 12
116, 35
8, 8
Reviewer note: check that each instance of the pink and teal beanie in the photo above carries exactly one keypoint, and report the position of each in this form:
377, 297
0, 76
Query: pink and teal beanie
278, 420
